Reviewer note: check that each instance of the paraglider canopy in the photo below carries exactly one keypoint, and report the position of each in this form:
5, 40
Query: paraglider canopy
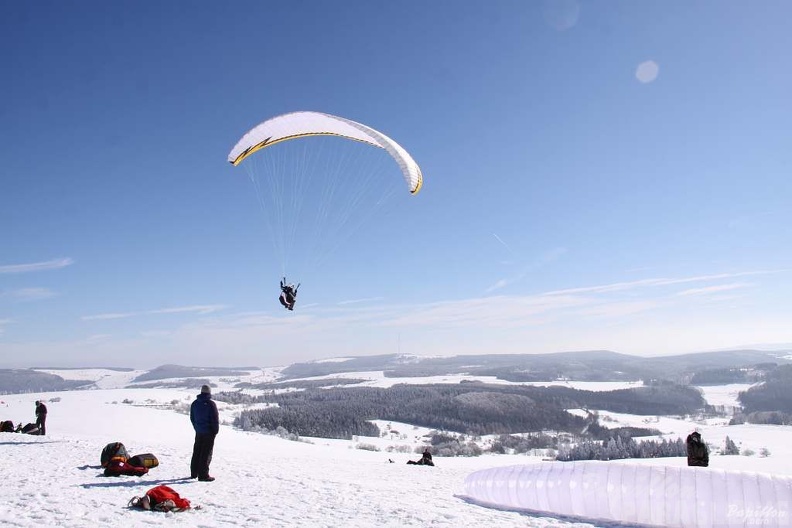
317, 191
303, 124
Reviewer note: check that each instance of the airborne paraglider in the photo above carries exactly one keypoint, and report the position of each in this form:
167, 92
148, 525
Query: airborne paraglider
288, 294
315, 194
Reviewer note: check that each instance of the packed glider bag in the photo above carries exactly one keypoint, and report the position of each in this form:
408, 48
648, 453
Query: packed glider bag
146, 460
113, 450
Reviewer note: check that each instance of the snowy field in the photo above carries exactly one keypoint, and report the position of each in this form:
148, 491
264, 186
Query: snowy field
377, 378
56, 480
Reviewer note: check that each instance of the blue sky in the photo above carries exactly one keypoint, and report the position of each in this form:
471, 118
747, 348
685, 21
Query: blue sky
597, 176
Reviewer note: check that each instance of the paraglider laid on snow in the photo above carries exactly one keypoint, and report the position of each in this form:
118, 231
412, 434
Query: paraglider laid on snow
669, 496
288, 294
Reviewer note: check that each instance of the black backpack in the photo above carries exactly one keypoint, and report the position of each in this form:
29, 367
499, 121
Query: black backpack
113, 450
146, 460
31, 428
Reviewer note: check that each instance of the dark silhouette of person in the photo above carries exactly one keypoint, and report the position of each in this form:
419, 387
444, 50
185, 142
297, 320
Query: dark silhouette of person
206, 422
288, 294
425, 460
427, 457
41, 417
697, 452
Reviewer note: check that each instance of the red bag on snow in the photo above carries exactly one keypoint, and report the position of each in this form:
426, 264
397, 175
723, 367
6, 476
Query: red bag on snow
118, 467
164, 498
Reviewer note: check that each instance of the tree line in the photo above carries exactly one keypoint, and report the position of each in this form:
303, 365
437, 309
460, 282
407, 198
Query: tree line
468, 408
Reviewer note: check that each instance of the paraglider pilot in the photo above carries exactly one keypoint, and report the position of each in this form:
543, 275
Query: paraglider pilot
288, 294
697, 452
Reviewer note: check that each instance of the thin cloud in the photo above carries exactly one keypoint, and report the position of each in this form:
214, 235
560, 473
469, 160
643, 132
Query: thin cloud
623, 286
98, 337
101, 317
498, 285
358, 301
714, 289
37, 266
542, 260
32, 294
201, 309
501, 312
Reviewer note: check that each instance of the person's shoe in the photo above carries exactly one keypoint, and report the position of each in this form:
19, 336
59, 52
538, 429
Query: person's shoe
206, 479
193, 476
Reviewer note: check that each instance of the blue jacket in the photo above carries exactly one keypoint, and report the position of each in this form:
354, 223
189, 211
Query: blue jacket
203, 415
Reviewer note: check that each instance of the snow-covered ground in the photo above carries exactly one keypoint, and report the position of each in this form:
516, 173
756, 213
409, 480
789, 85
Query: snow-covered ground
377, 378
724, 394
56, 480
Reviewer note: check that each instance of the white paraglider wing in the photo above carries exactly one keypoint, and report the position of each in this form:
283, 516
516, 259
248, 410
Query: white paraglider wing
302, 124
631, 493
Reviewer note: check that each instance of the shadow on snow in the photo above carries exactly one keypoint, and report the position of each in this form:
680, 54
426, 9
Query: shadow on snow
135, 483
600, 523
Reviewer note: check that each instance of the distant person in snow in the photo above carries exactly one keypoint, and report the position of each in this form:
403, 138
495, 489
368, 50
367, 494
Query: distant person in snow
288, 294
697, 453
426, 459
206, 422
41, 417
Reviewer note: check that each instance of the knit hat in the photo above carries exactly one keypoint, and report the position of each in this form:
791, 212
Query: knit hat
206, 389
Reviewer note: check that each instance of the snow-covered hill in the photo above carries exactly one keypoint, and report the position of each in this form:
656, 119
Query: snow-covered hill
55, 480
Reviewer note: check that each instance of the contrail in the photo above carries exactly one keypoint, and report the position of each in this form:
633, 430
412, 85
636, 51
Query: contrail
502, 242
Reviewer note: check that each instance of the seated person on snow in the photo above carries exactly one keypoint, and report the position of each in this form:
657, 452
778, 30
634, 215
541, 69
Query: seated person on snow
426, 459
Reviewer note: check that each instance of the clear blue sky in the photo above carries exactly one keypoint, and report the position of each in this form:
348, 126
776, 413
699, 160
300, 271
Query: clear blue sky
598, 175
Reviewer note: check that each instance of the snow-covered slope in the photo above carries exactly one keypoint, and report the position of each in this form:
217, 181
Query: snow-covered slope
55, 480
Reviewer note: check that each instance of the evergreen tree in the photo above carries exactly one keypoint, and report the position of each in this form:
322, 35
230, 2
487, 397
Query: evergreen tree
730, 447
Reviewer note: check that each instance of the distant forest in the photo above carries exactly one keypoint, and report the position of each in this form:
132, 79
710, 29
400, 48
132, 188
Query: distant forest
20, 381
469, 408
769, 402
617, 448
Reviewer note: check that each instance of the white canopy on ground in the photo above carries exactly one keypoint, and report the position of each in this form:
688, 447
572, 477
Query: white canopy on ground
632, 493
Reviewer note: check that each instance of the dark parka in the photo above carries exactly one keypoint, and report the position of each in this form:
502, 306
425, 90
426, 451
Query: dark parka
203, 415
697, 453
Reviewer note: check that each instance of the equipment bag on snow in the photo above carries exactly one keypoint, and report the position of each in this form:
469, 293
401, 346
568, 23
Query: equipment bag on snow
161, 498
114, 450
30, 428
117, 467
146, 460
7, 427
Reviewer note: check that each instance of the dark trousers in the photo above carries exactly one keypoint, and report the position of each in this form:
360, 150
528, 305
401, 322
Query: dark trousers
202, 454
41, 424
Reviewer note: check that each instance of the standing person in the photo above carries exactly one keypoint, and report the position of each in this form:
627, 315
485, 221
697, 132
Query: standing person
697, 453
206, 422
41, 417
